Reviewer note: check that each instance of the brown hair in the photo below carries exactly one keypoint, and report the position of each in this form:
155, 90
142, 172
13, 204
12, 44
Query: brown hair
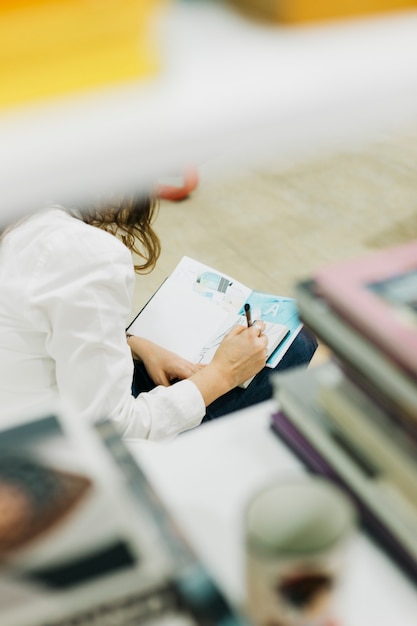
131, 220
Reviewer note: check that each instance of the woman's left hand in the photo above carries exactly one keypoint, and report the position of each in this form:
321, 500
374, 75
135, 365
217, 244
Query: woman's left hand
162, 365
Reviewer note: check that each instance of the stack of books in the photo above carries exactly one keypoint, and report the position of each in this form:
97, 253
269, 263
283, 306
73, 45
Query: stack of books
354, 418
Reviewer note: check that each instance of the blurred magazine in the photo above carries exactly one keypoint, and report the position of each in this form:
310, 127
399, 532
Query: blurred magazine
84, 538
377, 294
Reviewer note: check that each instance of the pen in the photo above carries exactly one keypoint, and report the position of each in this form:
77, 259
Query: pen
248, 315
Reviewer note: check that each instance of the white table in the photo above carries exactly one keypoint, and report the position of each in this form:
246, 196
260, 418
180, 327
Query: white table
205, 478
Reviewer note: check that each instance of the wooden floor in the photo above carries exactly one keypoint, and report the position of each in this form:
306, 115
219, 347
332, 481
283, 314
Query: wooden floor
269, 226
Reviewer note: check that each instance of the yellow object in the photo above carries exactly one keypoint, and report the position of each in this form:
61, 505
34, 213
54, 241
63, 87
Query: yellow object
56, 47
299, 11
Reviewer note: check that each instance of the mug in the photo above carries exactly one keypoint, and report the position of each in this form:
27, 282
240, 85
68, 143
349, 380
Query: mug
297, 533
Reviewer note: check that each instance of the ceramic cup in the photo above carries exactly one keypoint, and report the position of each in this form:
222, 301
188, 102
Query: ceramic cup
297, 533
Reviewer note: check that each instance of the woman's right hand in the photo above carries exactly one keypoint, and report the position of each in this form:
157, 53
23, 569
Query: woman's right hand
241, 355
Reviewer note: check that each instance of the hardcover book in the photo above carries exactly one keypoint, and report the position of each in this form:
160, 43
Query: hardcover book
360, 358
377, 293
308, 423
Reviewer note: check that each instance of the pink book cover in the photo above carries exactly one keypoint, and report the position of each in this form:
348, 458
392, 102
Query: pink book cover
377, 293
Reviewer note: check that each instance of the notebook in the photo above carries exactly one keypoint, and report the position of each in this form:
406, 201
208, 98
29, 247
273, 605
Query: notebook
84, 538
196, 306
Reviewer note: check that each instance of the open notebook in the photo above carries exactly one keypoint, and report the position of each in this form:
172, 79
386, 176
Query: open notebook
196, 306
86, 540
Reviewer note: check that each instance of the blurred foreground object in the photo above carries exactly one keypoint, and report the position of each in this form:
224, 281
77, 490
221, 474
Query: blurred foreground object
33, 498
297, 535
55, 47
84, 538
178, 187
299, 11
226, 86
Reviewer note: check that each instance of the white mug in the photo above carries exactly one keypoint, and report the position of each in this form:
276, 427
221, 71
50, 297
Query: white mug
297, 533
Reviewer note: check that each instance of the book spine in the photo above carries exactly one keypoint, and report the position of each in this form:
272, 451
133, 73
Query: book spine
361, 423
362, 361
363, 476
282, 425
400, 420
391, 346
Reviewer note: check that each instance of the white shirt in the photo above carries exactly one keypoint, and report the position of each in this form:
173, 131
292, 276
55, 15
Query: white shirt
66, 296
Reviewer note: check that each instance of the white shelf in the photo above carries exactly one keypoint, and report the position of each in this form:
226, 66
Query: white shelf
228, 86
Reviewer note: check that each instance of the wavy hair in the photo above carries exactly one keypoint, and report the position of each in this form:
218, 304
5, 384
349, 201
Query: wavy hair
130, 219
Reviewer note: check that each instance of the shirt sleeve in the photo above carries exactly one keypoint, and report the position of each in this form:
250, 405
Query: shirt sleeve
83, 297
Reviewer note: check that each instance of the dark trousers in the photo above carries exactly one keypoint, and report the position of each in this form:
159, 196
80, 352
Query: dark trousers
260, 389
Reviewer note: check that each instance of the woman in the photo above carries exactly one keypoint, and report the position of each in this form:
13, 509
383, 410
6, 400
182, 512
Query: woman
66, 280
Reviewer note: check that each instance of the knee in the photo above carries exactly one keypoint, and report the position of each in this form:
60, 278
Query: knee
301, 350
310, 343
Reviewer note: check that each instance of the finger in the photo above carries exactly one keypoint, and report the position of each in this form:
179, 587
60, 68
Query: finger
264, 340
187, 369
259, 327
259, 323
236, 330
162, 379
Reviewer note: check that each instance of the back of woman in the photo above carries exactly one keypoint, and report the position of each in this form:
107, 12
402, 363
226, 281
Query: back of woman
50, 266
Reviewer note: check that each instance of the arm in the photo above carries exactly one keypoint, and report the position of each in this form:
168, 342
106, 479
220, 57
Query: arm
81, 304
162, 365
240, 356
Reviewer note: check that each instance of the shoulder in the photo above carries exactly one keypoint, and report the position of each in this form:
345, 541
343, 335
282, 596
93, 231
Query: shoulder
65, 230
53, 244
62, 236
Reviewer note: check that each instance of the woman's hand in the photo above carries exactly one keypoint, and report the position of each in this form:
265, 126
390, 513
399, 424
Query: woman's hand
162, 365
241, 355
